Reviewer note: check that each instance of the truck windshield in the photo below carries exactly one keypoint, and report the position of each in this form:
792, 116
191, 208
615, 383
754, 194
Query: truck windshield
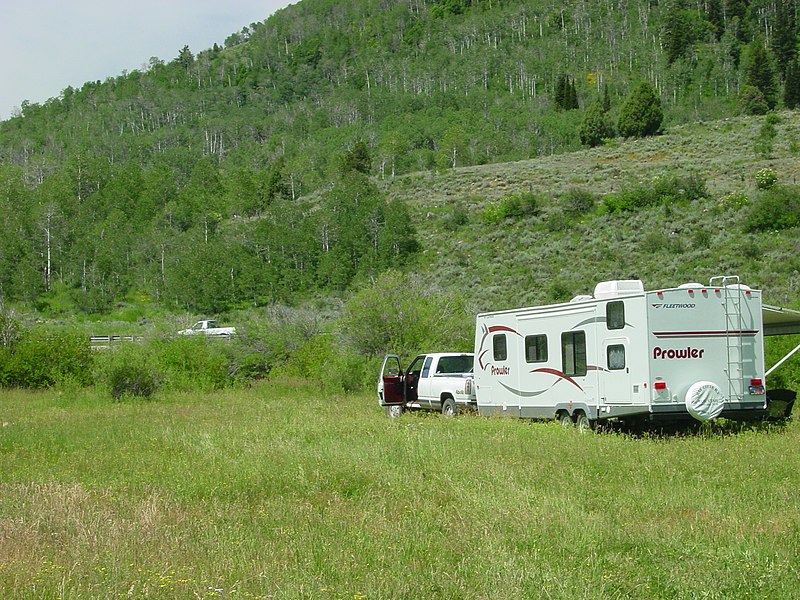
450, 365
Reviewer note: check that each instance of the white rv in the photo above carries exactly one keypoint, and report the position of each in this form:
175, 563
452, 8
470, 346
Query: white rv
692, 351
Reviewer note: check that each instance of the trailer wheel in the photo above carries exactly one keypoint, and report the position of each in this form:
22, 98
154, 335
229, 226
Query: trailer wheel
584, 423
565, 420
395, 410
449, 408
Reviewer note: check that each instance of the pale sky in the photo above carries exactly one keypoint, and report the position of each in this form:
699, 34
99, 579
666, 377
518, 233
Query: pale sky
47, 45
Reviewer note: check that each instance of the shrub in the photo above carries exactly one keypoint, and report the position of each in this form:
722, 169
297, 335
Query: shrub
132, 379
578, 202
752, 101
776, 208
513, 206
192, 363
766, 178
664, 190
456, 218
41, 358
734, 201
641, 115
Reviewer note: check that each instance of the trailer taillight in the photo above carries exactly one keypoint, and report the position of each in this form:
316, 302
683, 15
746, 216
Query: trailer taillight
756, 387
660, 385
468, 387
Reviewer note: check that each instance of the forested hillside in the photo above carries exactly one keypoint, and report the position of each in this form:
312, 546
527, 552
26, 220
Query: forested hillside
238, 175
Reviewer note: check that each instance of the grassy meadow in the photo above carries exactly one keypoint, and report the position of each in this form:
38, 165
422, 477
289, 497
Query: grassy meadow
280, 492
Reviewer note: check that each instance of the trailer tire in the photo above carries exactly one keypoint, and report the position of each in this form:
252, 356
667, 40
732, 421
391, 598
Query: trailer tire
584, 423
395, 410
449, 408
565, 420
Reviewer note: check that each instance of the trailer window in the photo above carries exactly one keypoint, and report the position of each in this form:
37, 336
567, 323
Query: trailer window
615, 315
573, 353
616, 357
499, 346
535, 348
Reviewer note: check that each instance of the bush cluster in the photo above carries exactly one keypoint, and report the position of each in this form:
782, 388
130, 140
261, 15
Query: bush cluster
513, 206
774, 209
766, 178
664, 190
39, 358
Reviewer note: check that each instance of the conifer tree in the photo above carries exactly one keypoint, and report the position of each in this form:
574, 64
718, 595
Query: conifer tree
606, 98
791, 91
784, 37
760, 72
641, 115
716, 17
595, 127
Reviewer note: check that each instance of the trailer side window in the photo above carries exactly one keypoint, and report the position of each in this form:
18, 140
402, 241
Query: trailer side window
499, 346
535, 348
615, 315
616, 357
573, 353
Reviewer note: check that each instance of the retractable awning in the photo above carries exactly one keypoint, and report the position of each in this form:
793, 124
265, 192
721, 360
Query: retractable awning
780, 321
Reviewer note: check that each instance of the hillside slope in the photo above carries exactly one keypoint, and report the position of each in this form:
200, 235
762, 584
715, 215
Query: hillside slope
550, 256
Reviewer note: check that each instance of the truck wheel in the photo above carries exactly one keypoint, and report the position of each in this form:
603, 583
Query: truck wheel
449, 408
584, 423
395, 410
565, 420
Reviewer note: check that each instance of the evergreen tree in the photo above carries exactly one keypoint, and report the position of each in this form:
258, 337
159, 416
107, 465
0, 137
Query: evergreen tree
595, 127
716, 17
560, 93
784, 36
760, 72
357, 159
606, 98
791, 91
641, 115
677, 32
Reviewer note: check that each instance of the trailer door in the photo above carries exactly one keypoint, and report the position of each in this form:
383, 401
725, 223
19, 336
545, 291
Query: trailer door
616, 376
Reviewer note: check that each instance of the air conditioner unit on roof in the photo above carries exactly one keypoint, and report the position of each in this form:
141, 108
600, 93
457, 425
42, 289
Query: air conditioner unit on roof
612, 289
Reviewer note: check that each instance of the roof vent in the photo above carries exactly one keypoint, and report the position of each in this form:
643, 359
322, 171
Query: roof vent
612, 289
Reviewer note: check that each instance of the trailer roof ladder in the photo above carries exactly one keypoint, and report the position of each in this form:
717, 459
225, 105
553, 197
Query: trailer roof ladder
734, 324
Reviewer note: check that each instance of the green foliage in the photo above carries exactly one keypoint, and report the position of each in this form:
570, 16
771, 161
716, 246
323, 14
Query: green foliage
766, 178
40, 358
191, 362
760, 72
641, 115
400, 315
776, 208
128, 373
752, 101
565, 96
791, 90
457, 217
513, 206
578, 202
663, 190
766, 136
595, 127
734, 201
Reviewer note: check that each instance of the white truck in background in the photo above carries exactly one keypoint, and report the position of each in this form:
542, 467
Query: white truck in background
441, 382
208, 327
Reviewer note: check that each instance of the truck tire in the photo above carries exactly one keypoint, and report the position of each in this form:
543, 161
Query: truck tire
449, 408
565, 420
395, 410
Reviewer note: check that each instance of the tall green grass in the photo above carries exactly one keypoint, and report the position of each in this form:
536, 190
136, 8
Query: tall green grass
282, 492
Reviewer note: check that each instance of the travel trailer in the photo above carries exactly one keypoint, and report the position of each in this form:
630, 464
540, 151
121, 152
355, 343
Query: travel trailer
626, 353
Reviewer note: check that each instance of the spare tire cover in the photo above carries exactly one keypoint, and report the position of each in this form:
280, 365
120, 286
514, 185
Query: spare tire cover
704, 400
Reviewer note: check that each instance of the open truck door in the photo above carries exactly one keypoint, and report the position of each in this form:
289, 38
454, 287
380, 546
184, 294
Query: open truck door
391, 385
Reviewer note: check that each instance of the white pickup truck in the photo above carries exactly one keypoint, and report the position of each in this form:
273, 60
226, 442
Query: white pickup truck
208, 328
442, 382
